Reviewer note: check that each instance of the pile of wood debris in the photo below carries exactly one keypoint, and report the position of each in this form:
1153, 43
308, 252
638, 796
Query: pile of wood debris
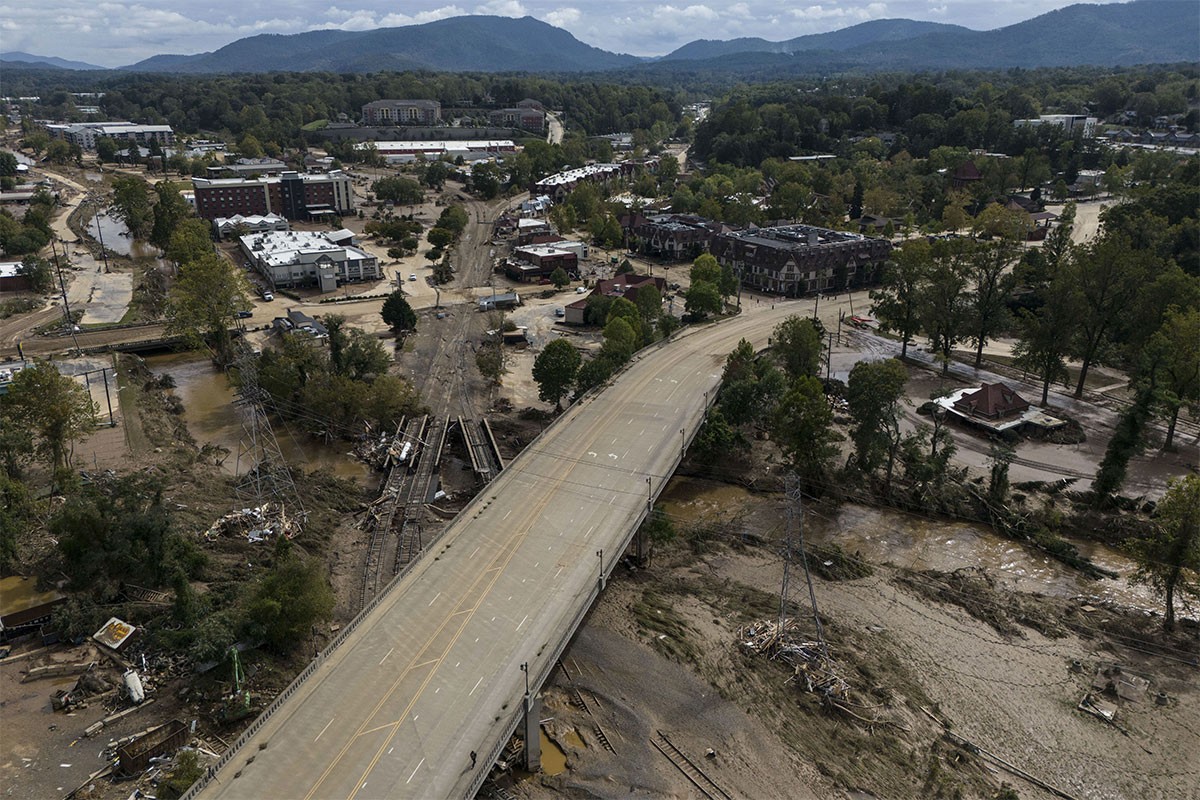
256, 524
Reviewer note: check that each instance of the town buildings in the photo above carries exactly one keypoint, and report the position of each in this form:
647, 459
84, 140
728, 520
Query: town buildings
292, 195
626, 286
527, 115
793, 260
1071, 124
247, 167
561, 184
225, 227
402, 112
674, 236
85, 134
308, 258
433, 149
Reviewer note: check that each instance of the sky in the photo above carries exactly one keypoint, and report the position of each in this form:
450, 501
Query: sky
114, 34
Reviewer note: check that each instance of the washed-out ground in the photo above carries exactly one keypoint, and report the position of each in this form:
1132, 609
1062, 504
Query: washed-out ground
919, 648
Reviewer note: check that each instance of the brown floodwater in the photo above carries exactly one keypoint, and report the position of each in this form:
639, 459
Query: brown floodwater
554, 760
112, 230
212, 418
907, 540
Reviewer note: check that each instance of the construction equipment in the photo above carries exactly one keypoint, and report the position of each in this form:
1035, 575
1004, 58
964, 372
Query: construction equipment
236, 705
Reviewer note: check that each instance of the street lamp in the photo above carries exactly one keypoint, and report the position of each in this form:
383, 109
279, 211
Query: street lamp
525, 669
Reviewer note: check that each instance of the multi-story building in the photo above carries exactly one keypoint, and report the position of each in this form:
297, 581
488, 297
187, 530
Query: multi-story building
675, 236
309, 258
526, 118
793, 260
1070, 123
85, 134
402, 112
292, 195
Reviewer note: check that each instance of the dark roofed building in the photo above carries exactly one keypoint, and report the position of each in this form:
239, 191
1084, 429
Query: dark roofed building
677, 236
991, 401
966, 175
793, 260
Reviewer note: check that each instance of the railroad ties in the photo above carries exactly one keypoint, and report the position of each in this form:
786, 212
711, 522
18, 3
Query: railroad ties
691, 770
485, 456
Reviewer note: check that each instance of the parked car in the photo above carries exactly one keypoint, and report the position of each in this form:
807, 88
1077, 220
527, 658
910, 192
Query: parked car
245, 314
267, 296
558, 312
412, 276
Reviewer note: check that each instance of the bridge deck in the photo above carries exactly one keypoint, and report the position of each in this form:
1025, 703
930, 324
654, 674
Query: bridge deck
432, 671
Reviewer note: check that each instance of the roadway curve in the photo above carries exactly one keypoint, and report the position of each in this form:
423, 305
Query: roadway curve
432, 671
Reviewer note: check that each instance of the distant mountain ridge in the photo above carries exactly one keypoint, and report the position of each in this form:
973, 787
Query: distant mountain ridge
879, 30
49, 61
467, 44
1115, 34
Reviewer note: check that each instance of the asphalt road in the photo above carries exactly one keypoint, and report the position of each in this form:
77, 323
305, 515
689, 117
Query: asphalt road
433, 672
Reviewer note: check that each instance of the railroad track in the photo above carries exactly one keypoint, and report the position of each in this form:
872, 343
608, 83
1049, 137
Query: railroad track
699, 778
382, 550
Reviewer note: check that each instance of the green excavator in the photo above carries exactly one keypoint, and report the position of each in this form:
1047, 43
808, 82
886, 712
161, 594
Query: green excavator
237, 705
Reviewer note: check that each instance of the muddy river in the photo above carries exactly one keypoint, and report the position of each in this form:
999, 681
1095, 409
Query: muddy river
907, 540
212, 418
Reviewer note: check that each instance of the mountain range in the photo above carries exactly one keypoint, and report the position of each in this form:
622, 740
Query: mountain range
1115, 34
17, 57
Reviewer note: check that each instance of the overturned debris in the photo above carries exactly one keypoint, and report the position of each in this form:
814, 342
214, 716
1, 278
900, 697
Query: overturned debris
256, 524
809, 660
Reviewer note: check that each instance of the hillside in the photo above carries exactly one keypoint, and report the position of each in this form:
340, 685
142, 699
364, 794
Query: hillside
16, 56
474, 43
880, 30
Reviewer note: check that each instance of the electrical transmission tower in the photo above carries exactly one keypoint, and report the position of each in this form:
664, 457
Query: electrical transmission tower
263, 472
795, 558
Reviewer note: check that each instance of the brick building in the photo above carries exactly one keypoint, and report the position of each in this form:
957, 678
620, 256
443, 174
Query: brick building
292, 195
402, 112
675, 236
793, 260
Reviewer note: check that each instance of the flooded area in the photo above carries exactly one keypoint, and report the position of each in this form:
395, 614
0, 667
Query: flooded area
213, 418
909, 541
109, 229
554, 760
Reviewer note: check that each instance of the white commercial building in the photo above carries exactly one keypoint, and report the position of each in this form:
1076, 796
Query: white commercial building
85, 134
254, 223
1070, 123
309, 258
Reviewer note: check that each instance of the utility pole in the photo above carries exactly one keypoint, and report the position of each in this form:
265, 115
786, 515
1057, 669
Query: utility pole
62, 284
100, 235
829, 358
793, 546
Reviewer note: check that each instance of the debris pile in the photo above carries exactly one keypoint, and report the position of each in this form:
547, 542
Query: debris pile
1112, 686
256, 524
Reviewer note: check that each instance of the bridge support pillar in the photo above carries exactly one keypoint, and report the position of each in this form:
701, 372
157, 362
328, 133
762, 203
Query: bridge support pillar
642, 545
533, 733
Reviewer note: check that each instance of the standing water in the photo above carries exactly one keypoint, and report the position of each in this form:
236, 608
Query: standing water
213, 418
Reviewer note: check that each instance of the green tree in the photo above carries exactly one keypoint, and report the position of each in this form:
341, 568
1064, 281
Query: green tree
559, 278
39, 272
716, 438
489, 359
1106, 275
702, 298
440, 237
1044, 335
554, 371
1127, 441
803, 427
190, 240
57, 410
987, 304
485, 180
875, 393
131, 200
397, 313
290, 598
797, 343
944, 304
620, 340
593, 373
897, 302
1168, 557
353, 352
401, 191
204, 301
168, 212
1176, 347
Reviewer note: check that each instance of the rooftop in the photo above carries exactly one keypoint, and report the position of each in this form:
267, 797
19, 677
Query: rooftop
280, 248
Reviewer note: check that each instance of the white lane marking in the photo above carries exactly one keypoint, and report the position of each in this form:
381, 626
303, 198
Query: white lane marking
390, 749
614, 441
591, 453
535, 564
414, 774
438, 689
591, 529
560, 569
456, 663
385, 658
327, 724
477, 549
612, 456
522, 622
416, 717
434, 600
509, 512
476, 683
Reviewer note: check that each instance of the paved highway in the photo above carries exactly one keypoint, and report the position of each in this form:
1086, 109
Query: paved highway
432, 672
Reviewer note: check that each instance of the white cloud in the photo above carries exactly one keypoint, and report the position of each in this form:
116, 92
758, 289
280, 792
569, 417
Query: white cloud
563, 17
502, 8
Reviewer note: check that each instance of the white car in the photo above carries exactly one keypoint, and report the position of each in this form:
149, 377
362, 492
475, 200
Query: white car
412, 276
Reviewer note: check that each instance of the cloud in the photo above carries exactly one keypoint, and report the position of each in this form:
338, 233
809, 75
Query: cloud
563, 17
841, 12
503, 8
